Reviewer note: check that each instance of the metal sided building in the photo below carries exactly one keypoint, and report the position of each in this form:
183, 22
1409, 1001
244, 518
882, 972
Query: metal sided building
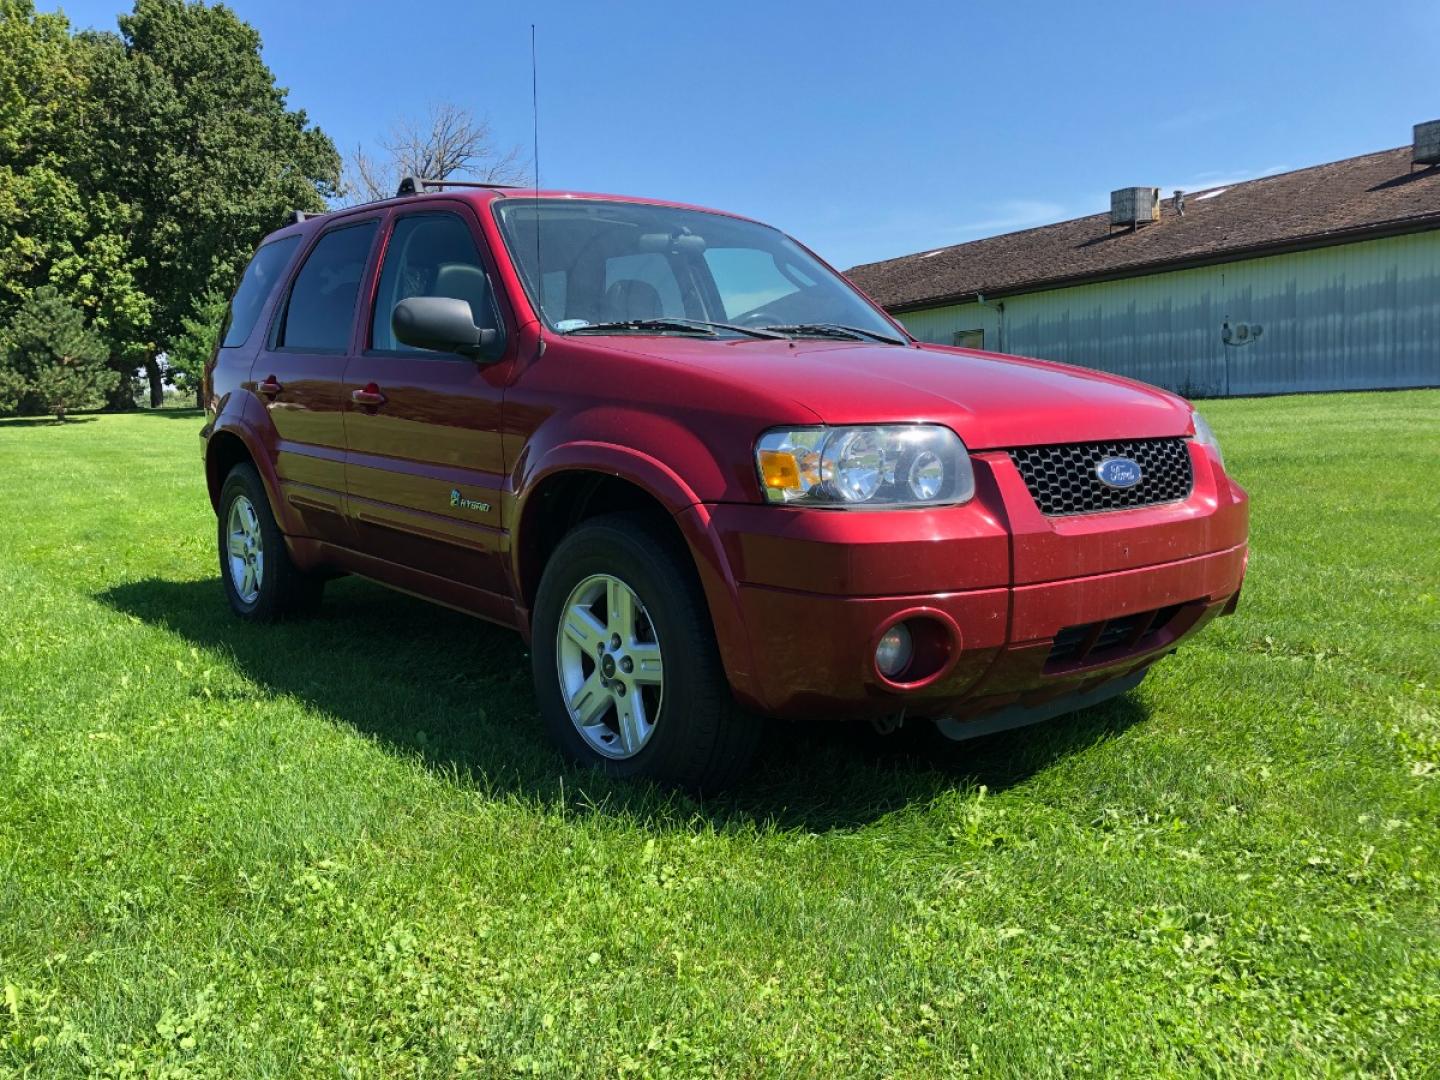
1326, 278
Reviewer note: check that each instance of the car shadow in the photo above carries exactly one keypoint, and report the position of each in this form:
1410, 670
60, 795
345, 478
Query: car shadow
455, 692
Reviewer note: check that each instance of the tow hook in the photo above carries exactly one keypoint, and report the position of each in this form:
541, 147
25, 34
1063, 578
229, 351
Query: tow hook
888, 725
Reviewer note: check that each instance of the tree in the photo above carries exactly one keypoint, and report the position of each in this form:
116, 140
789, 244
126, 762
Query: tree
139, 170
199, 337
59, 361
448, 141
193, 136
55, 227
12, 386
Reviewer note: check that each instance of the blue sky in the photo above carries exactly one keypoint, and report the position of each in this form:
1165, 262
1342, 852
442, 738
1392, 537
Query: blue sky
872, 130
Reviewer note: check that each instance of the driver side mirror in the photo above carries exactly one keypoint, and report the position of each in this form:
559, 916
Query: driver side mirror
445, 324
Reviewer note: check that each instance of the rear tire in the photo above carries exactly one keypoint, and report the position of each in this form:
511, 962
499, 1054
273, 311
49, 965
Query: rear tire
657, 705
261, 581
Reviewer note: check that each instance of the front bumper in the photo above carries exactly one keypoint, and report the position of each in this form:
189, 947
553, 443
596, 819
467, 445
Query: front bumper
813, 654
1033, 608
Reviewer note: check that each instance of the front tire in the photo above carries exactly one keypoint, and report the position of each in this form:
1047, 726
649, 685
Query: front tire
261, 581
628, 677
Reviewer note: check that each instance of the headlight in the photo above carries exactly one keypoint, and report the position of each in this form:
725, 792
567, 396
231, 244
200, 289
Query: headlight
865, 467
1205, 437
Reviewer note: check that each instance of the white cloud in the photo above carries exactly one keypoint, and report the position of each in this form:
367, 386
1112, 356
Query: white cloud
907, 231
1194, 117
1010, 215
1206, 181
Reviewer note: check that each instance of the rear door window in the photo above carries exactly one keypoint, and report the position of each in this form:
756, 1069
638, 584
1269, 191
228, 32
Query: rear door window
321, 309
256, 285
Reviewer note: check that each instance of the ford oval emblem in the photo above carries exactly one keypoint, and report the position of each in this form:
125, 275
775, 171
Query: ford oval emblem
1119, 472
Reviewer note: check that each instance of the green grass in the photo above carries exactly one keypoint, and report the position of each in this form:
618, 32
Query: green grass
341, 847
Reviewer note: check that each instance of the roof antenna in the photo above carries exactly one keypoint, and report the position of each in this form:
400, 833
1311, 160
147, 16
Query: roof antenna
535, 173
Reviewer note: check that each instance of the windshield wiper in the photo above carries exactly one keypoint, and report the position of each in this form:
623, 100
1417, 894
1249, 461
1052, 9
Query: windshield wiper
836, 330
694, 326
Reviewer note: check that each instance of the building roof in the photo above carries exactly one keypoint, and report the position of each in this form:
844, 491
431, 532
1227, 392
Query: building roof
1374, 194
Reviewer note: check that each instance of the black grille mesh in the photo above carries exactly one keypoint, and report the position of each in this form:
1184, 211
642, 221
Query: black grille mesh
1062, 478
1096, 642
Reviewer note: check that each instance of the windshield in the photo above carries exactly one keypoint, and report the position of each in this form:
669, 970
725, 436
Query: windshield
616, 267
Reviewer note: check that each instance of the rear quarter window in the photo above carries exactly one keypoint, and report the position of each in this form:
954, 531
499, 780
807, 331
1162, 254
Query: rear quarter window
256, 285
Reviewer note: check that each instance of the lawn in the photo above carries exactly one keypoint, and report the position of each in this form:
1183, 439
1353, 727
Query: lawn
341, 847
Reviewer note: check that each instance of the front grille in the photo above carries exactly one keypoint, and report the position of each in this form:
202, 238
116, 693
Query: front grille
1062, 478
1094, 643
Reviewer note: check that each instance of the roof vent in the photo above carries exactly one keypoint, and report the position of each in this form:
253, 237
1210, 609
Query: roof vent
1134, 206
1427, 144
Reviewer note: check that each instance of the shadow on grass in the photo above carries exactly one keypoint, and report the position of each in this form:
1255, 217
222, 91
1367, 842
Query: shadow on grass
46, 421
170, 413
455, 691
195, 416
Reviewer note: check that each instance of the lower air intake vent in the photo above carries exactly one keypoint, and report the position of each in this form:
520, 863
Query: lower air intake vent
1094, 643
1065, 479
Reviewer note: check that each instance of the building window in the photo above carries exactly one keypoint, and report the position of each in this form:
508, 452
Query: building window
970, 339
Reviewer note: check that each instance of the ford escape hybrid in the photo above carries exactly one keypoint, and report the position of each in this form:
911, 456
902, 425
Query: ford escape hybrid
706, 478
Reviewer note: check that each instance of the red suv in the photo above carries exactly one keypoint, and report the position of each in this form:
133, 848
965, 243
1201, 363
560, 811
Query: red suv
705, 477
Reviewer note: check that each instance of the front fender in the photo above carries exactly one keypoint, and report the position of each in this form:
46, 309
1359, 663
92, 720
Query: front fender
592, 455
670, 490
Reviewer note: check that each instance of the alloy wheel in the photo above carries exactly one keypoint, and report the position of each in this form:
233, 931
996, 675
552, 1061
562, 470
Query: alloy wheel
612, 677
245, 549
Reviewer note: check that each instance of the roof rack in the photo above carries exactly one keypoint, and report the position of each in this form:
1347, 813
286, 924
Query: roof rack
410, 185
418, 185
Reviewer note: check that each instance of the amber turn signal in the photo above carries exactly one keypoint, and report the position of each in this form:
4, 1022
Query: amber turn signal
779, 469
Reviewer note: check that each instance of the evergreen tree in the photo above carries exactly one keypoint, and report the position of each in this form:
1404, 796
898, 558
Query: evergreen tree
199, 337
12, 385
58, 360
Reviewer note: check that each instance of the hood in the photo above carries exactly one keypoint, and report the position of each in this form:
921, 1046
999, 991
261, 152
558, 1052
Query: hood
991, 401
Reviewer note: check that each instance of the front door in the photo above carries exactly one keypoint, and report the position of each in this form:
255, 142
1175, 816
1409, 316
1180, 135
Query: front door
425, 466
297, 377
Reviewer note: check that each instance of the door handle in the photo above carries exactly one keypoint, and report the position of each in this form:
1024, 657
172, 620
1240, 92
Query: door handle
270, 387
370, 397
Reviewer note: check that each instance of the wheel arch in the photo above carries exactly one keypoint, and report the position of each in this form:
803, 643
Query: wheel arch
580, 481
565, 498
234, 445
223, 452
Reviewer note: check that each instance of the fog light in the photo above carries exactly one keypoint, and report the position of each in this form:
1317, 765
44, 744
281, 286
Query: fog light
893, 654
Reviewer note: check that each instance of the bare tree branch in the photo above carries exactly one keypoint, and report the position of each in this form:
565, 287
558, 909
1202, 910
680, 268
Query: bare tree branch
449, 141
366, 180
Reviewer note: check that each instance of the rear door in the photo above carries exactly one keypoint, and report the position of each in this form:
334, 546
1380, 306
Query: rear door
297, 376
425, 465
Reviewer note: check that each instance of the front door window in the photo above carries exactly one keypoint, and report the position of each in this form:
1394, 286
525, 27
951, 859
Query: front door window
429, 255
